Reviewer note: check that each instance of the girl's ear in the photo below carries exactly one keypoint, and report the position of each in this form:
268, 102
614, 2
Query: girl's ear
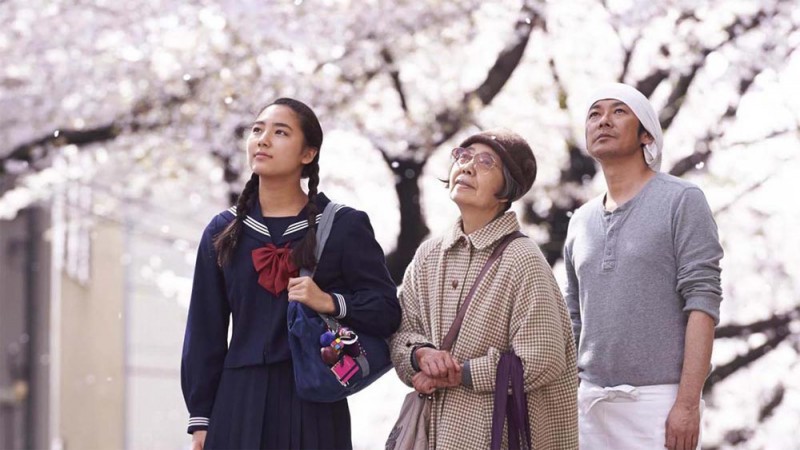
309, 154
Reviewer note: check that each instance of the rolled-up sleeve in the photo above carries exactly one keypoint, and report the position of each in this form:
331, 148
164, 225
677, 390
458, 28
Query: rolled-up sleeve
698, 254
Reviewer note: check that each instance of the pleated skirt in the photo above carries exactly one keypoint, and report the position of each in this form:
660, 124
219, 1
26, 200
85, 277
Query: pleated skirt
256, 407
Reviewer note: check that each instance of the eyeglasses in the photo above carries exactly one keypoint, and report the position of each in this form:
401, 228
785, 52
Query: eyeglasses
484, 162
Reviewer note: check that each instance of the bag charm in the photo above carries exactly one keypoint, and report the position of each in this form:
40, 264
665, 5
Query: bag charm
338, 350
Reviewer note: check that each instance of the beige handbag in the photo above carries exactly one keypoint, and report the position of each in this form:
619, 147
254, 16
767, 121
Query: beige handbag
410, 432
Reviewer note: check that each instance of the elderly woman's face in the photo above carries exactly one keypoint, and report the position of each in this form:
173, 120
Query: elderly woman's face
476, 176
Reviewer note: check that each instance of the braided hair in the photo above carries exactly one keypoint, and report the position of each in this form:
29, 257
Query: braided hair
226, 241
303, 254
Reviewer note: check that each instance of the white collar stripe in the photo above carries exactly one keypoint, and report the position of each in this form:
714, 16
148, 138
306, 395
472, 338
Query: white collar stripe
256, 224
252, 223
297, 226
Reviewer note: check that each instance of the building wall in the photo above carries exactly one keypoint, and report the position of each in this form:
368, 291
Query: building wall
157, 292
157, 417
109, 298
92, 343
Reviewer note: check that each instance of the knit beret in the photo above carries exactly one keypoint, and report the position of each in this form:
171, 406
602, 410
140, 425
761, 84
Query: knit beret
513, 150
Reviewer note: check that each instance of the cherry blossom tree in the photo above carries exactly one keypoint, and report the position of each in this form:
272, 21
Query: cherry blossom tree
146, 103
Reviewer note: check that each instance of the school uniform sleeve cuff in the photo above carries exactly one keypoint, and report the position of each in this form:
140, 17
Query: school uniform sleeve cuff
197, 424
339, 305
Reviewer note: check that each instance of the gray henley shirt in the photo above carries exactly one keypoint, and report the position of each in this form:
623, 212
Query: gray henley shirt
634, 274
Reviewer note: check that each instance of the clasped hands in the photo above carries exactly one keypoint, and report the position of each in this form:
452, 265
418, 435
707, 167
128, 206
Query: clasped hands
438, 369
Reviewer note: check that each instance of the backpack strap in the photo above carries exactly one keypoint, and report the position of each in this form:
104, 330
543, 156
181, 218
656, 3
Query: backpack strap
323, 232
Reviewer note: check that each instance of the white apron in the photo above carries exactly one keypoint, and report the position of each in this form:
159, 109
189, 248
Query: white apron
625, 417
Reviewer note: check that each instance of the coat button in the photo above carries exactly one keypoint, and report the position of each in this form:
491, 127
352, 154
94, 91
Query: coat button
455, 284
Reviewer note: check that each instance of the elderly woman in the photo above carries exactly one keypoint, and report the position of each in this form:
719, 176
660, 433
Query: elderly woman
517, 307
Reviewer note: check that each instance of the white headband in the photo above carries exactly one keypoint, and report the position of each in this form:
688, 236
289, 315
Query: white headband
640, 106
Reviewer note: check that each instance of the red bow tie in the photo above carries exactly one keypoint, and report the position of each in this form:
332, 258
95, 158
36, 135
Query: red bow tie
274, 266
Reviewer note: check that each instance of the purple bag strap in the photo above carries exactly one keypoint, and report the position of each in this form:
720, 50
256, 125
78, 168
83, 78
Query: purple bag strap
500, 403
452, 333
519, 413
509, 372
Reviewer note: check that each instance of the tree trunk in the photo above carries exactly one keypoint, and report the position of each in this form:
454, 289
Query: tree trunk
412, 223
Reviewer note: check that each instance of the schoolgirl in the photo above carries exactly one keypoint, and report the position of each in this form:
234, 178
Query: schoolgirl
240, 393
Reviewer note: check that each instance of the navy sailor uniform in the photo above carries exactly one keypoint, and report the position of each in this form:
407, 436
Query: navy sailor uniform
243, 392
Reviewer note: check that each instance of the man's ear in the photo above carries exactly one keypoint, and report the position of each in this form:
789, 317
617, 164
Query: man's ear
309, 154
646, 138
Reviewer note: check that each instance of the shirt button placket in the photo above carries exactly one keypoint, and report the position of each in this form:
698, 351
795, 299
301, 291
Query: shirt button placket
611, 242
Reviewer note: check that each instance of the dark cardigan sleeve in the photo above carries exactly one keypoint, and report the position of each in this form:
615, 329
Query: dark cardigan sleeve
371, 305
205, 343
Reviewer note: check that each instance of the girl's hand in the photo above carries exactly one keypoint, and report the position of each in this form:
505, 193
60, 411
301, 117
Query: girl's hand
198, 439
305, 291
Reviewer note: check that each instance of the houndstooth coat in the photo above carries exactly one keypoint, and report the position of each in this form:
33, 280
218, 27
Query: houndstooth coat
518, 306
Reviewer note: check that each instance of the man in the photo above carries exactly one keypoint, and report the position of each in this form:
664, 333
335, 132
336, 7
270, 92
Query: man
643, 287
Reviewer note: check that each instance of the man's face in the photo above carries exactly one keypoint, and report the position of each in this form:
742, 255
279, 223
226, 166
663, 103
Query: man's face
612, 131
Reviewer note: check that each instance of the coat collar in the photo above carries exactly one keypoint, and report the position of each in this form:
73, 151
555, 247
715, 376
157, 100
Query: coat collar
484, 237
